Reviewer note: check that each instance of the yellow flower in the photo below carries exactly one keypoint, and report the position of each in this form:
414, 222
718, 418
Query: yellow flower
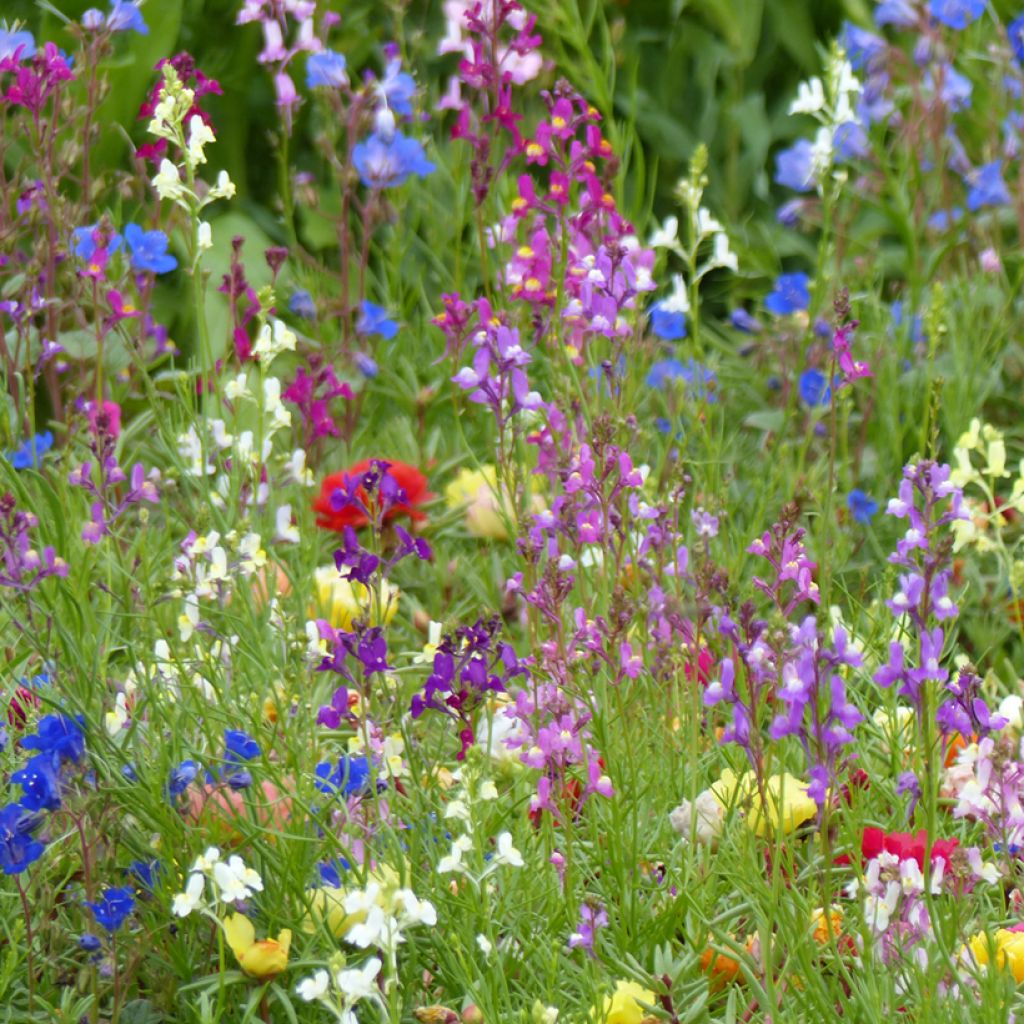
626, 1005
341, 601
327, 904
261, 959
789, 806
1009, 951
476, 490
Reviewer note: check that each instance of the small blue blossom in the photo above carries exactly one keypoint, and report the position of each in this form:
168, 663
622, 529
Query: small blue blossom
387, 163
21, 43
744, 321
89, 943
17, 847
862, 47
788, 214
149, 250
790, 294
398, 87
85, 242
182, 777
144, 872
93, 19
350, 775
238, 748
1015, 32
850, 141
301, 304
814, 389
794, 167
954, 88
956, 14
58, 735
862, 506
668, 324
917, 335
366, 364
330, 871
940, 220
326, 70
375, 320
113, 909
125, 16
986, 187
699, 379
30, 452
40, 782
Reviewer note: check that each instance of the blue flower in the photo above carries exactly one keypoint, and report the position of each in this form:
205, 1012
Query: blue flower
850, 141
182, 777
40, 782
351, 775
1015, 31
862, 506
940, 220
794, 167
744, 321
956, 14
331, 871
900, 13
21, 43
697, 377
955, 90
85, 242
28, 455
861, 46
113, 909
790, 295
144, 872
986, 186
238, 748
59, 735
387, 163
398, 87
89, 943
814, 389
917, 335
125, 16
326, 70
301, 304
668, 324
366, 364
149, 250
375, 320
17, 847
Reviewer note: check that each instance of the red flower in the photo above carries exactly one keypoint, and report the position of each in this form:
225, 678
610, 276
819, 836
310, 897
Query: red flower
905, 846
410, 479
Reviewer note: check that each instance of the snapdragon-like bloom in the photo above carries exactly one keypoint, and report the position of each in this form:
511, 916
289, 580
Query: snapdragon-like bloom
345, 498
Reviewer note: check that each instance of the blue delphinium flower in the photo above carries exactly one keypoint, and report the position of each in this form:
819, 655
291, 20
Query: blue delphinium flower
956, 14
149, 250
326, 70
794, 167
113, 909
814, 389
387, 163
17, 847
667, 323
30, 452
59, 735
986, 186
301, 304
21, 43
350, 775
1015, 31
862, 506
40, 782
375, 320
125, 16
900, 13
182, 777
790, 294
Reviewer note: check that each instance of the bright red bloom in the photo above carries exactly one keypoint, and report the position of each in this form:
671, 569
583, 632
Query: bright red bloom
409, 478
905, 846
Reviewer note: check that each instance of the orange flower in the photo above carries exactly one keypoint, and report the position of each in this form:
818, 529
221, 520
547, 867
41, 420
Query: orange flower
410, 479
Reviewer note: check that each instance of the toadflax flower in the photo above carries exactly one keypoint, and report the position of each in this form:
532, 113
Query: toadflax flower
352, 508
341, 601
263, 959
626, 1005
789, 804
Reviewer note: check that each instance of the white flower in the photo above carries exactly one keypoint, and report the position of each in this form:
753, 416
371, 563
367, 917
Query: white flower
810, 97
666, 236
457, 809
506, 853
295, 468
224, 189
485, 945
313, 988
416, 911
488, 790
679, 299
706, 223
199, 134
283, 529
236, 881
359, 982
187, 901
821, 153
188, 621
453, 862
1010, 709
706, 816
723, 256
237, 387
117, 719
204, 236
167, 182
372, 931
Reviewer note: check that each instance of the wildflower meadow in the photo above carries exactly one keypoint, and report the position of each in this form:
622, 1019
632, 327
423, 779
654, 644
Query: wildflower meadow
511, 512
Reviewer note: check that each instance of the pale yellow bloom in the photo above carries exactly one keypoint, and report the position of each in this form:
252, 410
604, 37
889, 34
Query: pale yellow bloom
261, 959
626, 1005
341, 601
789, 806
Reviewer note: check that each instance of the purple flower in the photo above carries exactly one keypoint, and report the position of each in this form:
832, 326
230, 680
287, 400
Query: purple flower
667, 324
60, 736
350, 776
40, 783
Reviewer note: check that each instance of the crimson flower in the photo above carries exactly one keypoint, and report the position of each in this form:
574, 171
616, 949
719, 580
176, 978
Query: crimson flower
905, 846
